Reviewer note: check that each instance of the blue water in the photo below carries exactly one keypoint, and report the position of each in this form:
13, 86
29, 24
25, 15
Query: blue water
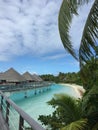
36, 105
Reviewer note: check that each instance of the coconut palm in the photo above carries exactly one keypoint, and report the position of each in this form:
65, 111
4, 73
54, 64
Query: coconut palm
87, 55
68, 110
89, 40
70, 114
77, 125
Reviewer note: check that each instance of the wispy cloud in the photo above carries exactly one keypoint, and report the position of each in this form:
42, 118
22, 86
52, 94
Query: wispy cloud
55, 56
28, 27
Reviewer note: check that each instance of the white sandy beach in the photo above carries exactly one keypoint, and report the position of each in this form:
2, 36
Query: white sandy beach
78, 89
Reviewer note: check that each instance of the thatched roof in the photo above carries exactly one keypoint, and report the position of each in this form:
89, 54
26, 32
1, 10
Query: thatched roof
12, 75
37, 77
29, 77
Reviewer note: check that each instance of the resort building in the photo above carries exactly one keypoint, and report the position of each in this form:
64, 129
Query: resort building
38, 78
11, 76
31, 78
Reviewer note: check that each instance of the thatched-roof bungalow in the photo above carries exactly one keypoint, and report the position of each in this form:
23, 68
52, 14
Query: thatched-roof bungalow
31, 78
38, 78
11, 76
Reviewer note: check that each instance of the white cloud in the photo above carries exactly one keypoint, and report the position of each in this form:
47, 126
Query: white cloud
31, 26
28, 27
55, 56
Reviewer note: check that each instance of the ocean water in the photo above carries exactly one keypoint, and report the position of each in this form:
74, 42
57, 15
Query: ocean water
36, 105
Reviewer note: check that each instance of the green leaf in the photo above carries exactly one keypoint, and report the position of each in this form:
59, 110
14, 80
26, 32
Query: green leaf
89, 41
77, 125
68, 8
68, 108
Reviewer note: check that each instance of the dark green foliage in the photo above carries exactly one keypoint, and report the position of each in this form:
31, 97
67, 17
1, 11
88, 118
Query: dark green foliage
89, 73
90, 101
63, 78
51, 121
76, 125
67, 110
48, 77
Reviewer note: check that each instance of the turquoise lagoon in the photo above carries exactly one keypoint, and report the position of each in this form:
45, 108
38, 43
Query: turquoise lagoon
36, 105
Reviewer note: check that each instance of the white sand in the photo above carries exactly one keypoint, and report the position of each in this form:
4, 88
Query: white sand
78, 89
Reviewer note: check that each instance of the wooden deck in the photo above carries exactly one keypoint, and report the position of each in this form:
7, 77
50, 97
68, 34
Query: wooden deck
23, 87
3, 125
23, 116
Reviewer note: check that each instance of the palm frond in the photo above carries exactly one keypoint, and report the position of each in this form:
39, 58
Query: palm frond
89, 41
70, 107
90, 102
81, 2
77, 125
68, 8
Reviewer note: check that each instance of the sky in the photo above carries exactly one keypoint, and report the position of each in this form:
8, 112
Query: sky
30, 40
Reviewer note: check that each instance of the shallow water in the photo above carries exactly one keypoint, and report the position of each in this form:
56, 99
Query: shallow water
36, 105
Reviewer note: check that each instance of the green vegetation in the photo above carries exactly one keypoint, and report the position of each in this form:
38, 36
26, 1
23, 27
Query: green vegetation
67, 110
78, 114
63, 78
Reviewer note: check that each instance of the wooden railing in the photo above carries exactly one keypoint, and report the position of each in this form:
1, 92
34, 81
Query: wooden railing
6, 106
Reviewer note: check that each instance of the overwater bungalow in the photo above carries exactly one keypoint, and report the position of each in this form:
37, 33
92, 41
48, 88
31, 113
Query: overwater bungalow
38, 78
29, 77
11, 76
32, 78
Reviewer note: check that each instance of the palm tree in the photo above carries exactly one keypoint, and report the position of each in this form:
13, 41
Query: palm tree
68, 110
90, 34
70, 114
87, 56
89, 41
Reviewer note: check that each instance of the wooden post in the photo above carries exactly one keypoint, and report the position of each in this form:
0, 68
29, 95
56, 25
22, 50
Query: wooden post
35, 92
25, 95
7, 112
21, 123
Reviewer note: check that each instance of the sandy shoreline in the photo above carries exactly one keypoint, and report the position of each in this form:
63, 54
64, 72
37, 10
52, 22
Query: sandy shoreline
78, 89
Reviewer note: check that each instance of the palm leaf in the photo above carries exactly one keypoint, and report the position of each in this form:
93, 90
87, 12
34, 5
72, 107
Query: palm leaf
67, 10
70, 107
65, 17
89, 41
90, 102
77, 125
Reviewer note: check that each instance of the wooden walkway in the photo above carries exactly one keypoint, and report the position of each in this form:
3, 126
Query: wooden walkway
23, 87
3, 125
23, 116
